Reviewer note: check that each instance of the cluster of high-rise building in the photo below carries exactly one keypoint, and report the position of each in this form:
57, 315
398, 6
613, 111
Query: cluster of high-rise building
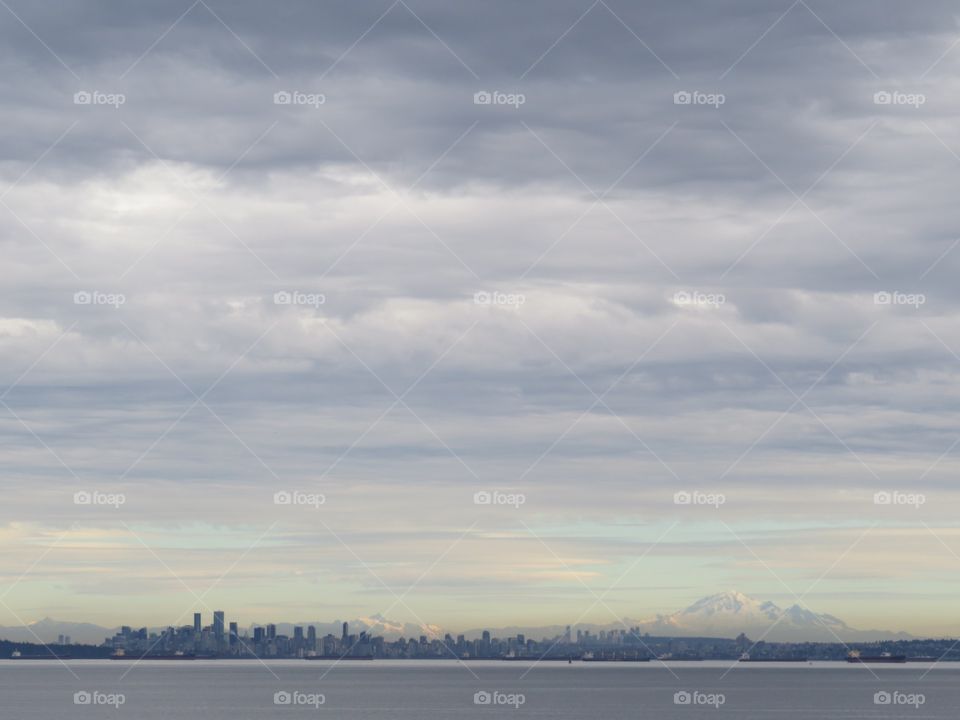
221, 640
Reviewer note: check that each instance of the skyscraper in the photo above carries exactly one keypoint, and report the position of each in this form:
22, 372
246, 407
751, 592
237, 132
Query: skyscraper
344, 636
218, 624
196, 623
234, 633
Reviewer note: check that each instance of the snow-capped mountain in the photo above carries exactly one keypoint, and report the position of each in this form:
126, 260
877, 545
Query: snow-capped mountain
728, 614
373, 625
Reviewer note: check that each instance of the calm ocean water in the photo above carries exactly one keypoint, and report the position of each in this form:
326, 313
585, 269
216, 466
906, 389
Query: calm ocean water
238, 690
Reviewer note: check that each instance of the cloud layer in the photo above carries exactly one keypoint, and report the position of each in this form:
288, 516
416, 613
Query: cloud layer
702, 248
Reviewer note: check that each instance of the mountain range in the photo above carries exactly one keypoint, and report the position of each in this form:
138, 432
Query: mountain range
728, 614
725, 614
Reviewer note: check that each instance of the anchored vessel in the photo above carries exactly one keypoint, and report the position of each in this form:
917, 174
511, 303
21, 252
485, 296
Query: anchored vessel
121, 655
17, 655
746, 658
856, 657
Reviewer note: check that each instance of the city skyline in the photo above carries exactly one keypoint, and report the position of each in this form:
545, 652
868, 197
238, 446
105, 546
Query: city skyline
336, 642
724, 614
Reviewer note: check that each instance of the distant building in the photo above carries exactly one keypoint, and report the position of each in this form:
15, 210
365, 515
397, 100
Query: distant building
218, 625
197, 626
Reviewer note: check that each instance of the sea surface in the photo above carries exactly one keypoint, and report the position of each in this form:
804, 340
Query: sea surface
238, 690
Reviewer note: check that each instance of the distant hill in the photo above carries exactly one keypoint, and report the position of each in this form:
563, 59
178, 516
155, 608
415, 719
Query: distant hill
47, 630
725, 614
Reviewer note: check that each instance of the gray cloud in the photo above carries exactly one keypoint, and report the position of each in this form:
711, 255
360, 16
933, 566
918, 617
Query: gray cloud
398, 199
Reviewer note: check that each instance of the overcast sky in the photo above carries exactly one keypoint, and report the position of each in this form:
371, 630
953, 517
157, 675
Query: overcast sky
704, 247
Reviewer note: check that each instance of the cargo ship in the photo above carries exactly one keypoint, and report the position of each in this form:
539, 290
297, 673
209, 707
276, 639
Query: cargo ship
856, 657
121, 655
17, 655
746, 658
